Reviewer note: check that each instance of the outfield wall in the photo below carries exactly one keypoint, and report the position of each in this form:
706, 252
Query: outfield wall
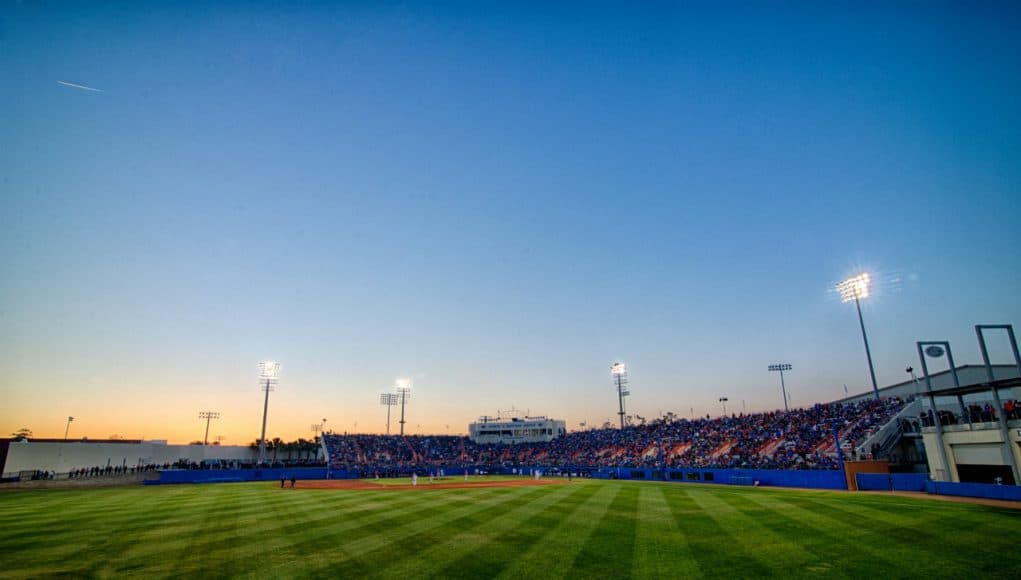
821, 479
983, 490
62, 456
919, 482
892, 481
239, 475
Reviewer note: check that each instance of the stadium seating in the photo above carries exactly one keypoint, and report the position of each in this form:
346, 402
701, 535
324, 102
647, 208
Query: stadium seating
798, 439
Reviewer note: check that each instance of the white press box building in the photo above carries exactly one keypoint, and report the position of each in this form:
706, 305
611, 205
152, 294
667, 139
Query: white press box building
516, 430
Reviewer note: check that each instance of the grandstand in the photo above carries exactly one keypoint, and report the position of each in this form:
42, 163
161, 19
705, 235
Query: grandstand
799, 439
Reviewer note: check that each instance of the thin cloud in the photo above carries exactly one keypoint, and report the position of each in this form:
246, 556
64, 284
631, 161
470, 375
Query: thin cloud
82, 87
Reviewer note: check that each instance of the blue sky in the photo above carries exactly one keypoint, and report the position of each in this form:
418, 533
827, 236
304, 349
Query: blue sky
496, 201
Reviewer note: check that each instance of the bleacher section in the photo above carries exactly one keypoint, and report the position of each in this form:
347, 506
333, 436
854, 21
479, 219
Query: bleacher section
799, 439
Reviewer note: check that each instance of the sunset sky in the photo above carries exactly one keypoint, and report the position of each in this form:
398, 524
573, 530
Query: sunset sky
495, 202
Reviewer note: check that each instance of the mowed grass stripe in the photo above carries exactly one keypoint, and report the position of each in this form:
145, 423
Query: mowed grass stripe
476, 534
365, 555
609, 550
170, 540
777, 552
924, 540
824, 535
552, 556
93, 532
104, 536
235, 530
245, 552
489, 560
716, 548
661, 548
828, 554
319, 544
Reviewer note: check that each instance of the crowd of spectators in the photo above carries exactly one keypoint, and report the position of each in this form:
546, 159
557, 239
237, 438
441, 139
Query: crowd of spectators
212, 464
109, 470
976, 412
797, 439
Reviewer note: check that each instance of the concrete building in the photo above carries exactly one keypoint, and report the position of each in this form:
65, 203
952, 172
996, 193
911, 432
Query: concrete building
970, 438
516, 430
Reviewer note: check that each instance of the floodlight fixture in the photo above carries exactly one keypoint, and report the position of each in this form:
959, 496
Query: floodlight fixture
619, 372
389, 400
208, 416
403, 388
269, 371
914, 378
855, 288
781, 367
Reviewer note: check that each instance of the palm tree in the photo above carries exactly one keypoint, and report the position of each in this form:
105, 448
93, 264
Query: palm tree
301, 447
277, 443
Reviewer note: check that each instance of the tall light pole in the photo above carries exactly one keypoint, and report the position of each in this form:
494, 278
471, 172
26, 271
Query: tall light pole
855, 288
619, 373
208, 416
268, 372
389, 400
780, 368
724, 401
403, 392
68, 427
316, 429
914, 378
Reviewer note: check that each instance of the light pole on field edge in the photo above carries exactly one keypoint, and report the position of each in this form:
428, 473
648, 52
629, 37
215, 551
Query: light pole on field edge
856, 288
268, 373
781, 367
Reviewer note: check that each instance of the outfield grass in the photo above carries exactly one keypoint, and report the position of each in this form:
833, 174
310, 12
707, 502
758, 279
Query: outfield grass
583, 530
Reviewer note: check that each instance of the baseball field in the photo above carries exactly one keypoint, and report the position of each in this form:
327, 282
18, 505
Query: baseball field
581, 529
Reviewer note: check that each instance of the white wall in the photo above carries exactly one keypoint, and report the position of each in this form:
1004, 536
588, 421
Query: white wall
65, 456
956, 441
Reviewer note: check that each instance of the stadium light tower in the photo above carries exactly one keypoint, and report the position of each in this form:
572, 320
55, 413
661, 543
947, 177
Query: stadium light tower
724, 401
403, 388
855, 288
268, 372
619, 372
914, 378
68, 427
389, 400
781, 367
208, 416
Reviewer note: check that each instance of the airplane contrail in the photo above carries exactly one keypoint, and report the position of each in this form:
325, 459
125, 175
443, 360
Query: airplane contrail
83, 87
